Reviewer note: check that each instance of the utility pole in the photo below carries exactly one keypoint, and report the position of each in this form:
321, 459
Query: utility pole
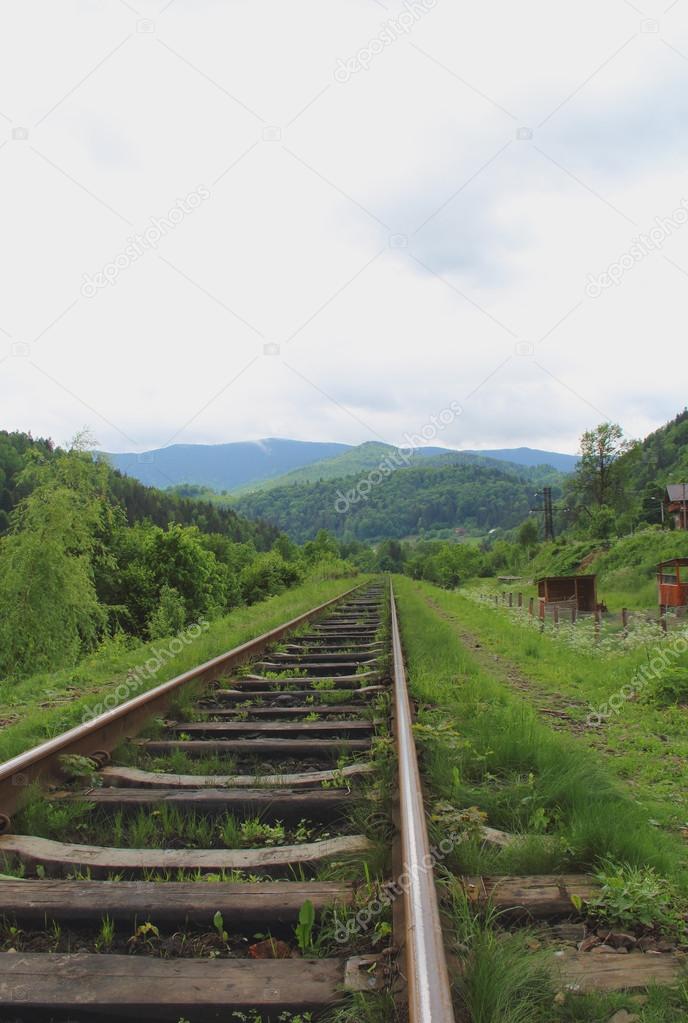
549, 517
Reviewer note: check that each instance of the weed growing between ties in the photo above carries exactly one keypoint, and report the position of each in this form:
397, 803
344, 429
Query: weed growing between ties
140, 938
162, 827
490, 761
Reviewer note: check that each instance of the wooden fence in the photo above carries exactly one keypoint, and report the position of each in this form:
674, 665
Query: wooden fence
566, 611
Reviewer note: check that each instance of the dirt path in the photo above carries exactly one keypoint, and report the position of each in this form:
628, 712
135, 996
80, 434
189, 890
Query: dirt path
554, 707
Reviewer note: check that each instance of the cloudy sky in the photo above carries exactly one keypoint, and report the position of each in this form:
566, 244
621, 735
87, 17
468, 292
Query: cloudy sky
231, 219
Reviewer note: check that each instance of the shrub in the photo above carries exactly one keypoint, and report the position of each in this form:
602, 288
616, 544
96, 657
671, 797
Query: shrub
169, 616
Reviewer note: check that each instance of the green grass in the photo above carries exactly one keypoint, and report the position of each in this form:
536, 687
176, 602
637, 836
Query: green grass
483, 746
45, 705
646, 742
525, 775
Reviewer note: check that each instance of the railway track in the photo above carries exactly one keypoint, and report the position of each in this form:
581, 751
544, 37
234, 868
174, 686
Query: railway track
223, 846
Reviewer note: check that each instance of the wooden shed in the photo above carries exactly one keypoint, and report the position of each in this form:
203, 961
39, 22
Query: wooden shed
676, 504
568, 591
672, 583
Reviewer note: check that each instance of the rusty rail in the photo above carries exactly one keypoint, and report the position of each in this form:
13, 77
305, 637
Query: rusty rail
429, 989
104, 732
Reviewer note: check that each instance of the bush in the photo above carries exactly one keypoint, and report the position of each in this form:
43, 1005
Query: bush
268, 574
669, 688
169, 617
333, 568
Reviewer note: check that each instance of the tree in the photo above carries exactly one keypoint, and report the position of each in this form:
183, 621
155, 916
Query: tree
599, 479
528, 534
49, 610
170, 615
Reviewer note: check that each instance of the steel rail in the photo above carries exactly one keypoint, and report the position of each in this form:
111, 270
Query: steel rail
106, 730
427, 976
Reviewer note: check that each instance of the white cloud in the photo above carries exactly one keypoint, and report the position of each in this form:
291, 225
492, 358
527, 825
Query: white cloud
394, 235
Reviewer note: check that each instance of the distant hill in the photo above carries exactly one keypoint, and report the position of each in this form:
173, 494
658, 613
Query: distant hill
221, 466
139, 503
532, 456
367, 457
355, 460
246, 466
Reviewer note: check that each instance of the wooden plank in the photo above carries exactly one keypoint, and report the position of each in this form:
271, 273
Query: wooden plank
324, 643
143, 987
132, 776
349, 657
176, 903
285, 728
266, 802
278, 710
585, 971
257, 747
234, 695
260, 682
539, 895
57, 857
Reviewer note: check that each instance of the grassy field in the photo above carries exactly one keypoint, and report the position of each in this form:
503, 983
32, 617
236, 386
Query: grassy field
485, 747
644, 738
39, 707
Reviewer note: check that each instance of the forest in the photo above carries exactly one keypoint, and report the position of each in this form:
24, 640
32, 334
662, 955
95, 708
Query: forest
414, 500
86, 554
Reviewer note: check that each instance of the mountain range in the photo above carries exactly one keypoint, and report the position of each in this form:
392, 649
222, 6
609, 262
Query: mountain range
244, 466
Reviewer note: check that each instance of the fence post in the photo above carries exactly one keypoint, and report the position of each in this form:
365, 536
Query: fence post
531, 601
624, 620
555, 615
574, 615
520, 599
598, 618
663, 622
511, 600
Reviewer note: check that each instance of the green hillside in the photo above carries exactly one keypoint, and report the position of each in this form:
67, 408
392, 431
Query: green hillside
372, 455
444, 493
661, 458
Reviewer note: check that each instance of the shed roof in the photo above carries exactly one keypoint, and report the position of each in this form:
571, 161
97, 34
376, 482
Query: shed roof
545, 578
677, 491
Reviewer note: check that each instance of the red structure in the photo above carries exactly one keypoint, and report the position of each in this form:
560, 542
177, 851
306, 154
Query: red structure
672, 583
568, 591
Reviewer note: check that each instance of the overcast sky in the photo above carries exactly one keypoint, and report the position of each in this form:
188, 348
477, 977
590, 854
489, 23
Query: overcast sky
386, 208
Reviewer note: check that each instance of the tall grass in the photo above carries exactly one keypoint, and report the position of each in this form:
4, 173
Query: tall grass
48, 704
484, 747
524, 775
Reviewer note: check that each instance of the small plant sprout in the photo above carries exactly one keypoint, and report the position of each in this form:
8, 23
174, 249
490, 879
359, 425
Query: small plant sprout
144, 933
304, 927
382, 932
106, 935
219, 925
75, 766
